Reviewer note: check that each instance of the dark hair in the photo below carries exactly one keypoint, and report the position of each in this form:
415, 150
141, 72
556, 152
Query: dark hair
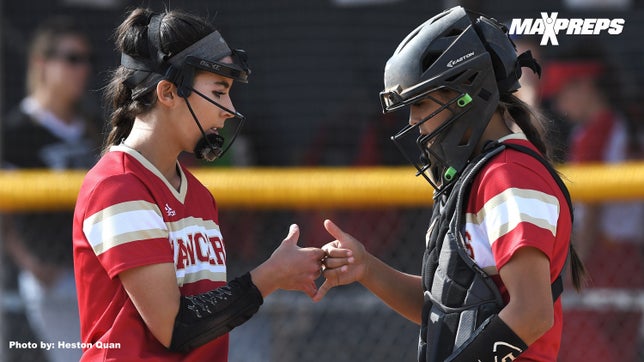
534, 125
45, 40
532, 122
178, 30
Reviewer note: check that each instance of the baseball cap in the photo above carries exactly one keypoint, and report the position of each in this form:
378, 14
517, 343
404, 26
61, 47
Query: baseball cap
559, 73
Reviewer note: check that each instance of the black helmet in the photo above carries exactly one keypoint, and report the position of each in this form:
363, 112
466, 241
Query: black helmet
468, 54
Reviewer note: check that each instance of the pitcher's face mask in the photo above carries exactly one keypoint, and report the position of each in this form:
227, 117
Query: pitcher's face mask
204, 55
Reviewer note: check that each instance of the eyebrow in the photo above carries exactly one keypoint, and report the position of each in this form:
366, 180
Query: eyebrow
223, 83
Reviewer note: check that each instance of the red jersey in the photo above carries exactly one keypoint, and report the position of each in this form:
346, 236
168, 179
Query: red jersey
514, 203
128, 215
592, 141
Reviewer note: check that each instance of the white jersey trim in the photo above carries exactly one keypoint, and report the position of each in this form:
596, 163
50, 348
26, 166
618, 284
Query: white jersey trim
196, 273
513, 136
183, 189
123, 223
502, 213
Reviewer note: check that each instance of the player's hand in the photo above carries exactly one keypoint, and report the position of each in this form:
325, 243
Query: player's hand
292, 267
345, 262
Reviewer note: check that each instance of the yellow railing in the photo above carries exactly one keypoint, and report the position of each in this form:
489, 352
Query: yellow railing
313, 187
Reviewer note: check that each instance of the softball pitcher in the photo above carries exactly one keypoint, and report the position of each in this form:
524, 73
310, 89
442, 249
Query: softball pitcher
150, 260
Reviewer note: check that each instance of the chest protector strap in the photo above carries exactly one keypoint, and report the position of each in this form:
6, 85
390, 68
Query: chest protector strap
459, 295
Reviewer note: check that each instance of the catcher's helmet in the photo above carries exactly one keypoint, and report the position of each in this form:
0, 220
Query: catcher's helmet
468, 54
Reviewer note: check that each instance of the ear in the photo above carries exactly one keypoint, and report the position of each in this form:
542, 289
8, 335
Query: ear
167, 93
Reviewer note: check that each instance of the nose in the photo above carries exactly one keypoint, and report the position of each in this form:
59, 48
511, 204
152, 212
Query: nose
226, 114
413, 118
228, 110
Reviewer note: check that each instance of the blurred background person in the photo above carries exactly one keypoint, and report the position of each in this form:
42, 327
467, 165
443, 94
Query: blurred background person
48, 129
585, 89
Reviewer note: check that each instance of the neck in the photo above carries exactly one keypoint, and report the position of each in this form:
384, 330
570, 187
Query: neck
58, 106
497, 128
145, 139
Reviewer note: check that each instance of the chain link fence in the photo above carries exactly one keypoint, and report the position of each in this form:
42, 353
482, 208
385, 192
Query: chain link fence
602, 323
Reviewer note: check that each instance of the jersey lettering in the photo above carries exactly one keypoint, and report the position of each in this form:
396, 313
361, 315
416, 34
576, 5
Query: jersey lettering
198, 248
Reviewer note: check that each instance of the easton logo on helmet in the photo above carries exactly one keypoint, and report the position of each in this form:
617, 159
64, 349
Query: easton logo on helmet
453, 62
549, 27
210, 65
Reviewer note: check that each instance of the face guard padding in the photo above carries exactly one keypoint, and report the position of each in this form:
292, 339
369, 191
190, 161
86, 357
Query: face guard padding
180, 69
447, 53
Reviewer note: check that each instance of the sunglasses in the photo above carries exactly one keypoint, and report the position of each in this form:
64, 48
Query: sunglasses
73, 58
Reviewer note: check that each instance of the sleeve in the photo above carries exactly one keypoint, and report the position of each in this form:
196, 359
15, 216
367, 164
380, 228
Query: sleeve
517, 208
125, 227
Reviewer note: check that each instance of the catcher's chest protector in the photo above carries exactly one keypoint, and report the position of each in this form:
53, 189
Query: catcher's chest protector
459, 296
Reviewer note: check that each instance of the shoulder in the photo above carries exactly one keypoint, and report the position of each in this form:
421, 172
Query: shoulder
515, 174
22, 126
16, 118
20, 121
515, 168
22, 149
112, 181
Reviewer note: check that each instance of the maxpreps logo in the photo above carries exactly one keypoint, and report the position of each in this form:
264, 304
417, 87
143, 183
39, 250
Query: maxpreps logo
549, 26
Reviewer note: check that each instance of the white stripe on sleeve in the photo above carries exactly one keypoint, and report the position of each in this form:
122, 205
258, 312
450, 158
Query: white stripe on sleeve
502, 213
123, 223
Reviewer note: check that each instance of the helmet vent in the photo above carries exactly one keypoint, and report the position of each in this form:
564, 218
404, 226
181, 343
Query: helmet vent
485, 94
466, 140
454, 77
411, 36
470, 80
453, 32
439, 16
428, 60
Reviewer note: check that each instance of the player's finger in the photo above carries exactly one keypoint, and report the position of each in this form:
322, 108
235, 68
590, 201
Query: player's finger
321, 292
310, 290
333, 263
293, 235
334, 230
316, 253
334, 252
333, 275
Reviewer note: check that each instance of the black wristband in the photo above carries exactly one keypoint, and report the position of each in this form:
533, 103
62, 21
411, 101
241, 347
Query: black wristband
204, 317
492, 341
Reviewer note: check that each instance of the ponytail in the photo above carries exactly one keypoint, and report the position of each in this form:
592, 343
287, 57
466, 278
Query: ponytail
124, 108
131, 38
531, 122
579, 273
119, 96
